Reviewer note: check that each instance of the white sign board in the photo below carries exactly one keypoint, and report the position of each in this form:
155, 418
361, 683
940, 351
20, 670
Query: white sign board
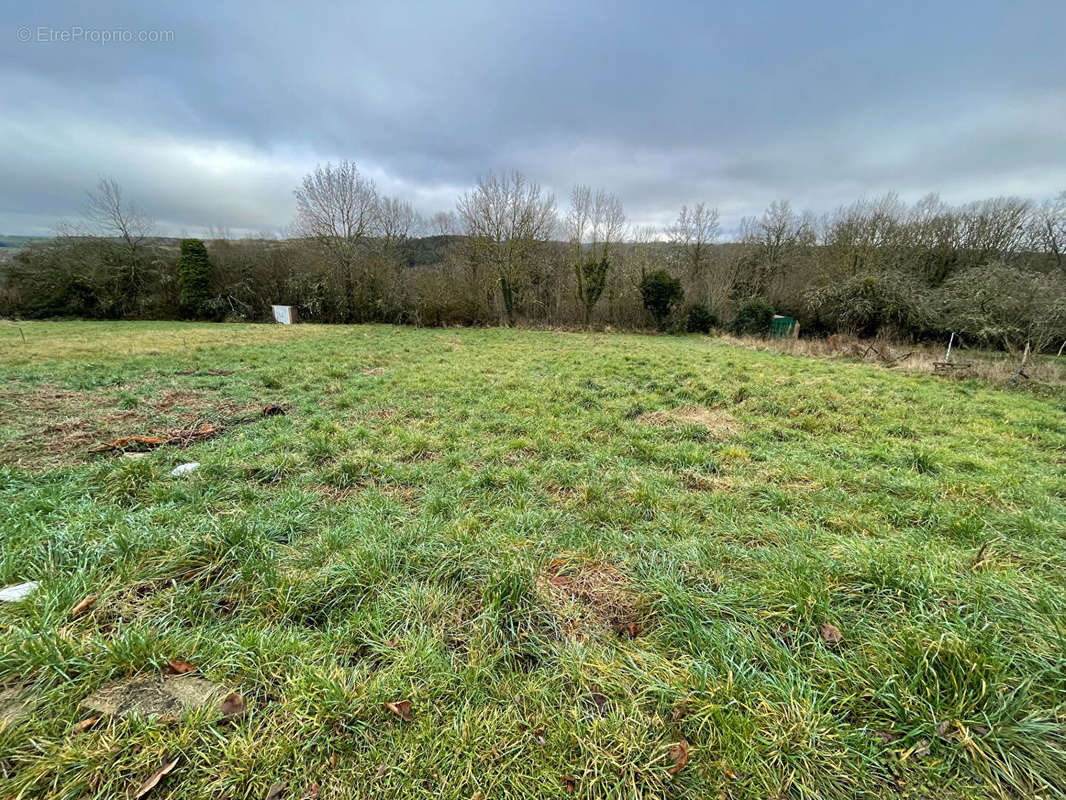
283, 314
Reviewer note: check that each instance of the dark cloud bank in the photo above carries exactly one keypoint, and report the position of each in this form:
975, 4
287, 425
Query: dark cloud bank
214, 121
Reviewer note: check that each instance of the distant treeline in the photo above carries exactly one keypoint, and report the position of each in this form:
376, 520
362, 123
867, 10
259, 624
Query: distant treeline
993, 271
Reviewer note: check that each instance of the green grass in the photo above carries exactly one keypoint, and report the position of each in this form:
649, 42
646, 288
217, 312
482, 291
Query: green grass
392, 537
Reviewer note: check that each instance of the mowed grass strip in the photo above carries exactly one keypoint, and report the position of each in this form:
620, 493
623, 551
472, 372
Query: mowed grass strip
593, 566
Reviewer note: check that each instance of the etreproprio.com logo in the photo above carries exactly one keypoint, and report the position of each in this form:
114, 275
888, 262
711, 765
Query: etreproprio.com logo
47, 34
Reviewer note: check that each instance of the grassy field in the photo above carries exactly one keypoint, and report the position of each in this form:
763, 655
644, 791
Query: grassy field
595, 566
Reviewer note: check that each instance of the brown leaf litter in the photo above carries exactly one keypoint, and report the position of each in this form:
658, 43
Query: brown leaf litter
84, 725
86, 603
679, 755
178, 666
164, 769
402, 709
588, 594
830, 633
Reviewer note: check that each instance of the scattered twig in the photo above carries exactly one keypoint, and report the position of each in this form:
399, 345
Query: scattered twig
979, 559
184, 438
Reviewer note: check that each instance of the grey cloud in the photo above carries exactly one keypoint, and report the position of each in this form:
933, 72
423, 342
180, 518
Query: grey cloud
734, 104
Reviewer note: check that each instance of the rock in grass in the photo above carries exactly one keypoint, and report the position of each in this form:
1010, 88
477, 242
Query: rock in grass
182, 469
12, 594
14, 705
155, 696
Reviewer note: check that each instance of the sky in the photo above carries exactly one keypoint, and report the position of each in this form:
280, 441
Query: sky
209, 113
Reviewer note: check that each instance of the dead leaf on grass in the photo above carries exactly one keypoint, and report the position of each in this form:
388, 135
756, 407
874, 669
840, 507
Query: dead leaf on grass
630, 629
177, 666
275, 792
88, 602
153, 780
233, 705
570, 783
402, 709
598, 702
84, 725
830, 633
679, 754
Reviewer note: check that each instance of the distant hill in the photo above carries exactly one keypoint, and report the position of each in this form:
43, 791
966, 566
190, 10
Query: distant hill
18, 242
9, 245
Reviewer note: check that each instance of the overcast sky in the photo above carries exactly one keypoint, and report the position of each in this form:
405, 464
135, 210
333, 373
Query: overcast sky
733, 103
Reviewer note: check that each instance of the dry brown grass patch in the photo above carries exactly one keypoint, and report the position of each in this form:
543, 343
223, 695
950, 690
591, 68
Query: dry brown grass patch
714, 420
50, 427
186, 399
914, 358
405, 494
591, 595
57, 426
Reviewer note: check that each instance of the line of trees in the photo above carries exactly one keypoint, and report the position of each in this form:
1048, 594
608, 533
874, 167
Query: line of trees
993, 271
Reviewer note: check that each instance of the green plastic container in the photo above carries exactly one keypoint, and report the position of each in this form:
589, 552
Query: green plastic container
783, 327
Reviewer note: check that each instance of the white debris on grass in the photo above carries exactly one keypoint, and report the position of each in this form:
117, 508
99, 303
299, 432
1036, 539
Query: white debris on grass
184, 468
11, 594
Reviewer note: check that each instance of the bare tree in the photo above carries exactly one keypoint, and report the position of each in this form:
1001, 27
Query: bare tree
446, 223
396, 219
692, 235
338, 208
594, 225
775, 238
994, 229
1048, 229
119, 233
932, 239
111, 215
507, 220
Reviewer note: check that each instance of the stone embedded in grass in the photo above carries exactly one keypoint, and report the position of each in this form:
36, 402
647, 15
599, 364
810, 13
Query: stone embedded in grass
14, 705
16, 592
183, 469
168, 696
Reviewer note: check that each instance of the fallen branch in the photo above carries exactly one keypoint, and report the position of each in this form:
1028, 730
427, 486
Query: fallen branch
184, 438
